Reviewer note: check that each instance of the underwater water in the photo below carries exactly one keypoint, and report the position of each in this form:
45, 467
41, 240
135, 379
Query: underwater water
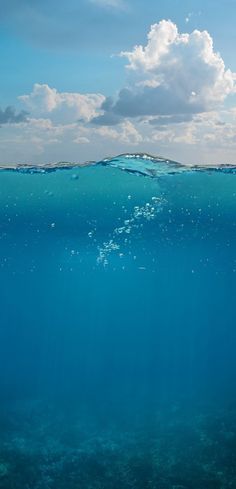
117, 326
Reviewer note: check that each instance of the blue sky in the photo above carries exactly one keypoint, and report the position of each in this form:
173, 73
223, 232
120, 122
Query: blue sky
79, 89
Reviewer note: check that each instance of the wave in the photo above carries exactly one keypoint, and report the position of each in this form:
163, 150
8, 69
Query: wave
137, 163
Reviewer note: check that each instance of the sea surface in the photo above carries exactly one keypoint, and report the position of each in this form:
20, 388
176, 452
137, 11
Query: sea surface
118, 326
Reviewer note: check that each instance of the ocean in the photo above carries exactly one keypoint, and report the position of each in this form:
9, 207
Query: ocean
117, 326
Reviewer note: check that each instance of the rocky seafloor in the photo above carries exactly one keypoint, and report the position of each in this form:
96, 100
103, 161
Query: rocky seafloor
42, 447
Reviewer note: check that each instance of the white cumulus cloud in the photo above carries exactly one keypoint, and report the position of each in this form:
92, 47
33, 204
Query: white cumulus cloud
185, 62
173, 74
62, 105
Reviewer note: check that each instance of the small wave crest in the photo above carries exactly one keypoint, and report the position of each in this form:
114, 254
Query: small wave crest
136, 163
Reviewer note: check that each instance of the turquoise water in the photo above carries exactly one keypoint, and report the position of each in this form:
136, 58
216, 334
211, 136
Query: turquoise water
117, 332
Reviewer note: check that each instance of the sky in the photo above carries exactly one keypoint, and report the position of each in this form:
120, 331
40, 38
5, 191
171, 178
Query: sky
86, 79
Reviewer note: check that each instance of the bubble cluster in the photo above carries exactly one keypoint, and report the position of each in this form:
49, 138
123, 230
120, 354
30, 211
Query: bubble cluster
105, 251
146, 212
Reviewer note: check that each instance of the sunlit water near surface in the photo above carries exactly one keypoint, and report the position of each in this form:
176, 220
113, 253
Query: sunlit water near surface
117, 332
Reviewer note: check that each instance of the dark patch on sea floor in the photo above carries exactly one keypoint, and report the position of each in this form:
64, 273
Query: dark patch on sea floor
42, 448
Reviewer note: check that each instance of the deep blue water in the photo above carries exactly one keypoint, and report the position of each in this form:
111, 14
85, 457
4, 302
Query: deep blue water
117, 330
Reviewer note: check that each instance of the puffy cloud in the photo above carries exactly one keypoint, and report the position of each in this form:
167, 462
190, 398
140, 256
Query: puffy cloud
211, 130
161, 38
62, 106
130, 133
9, 116
184, 62
126, 133
173, 74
